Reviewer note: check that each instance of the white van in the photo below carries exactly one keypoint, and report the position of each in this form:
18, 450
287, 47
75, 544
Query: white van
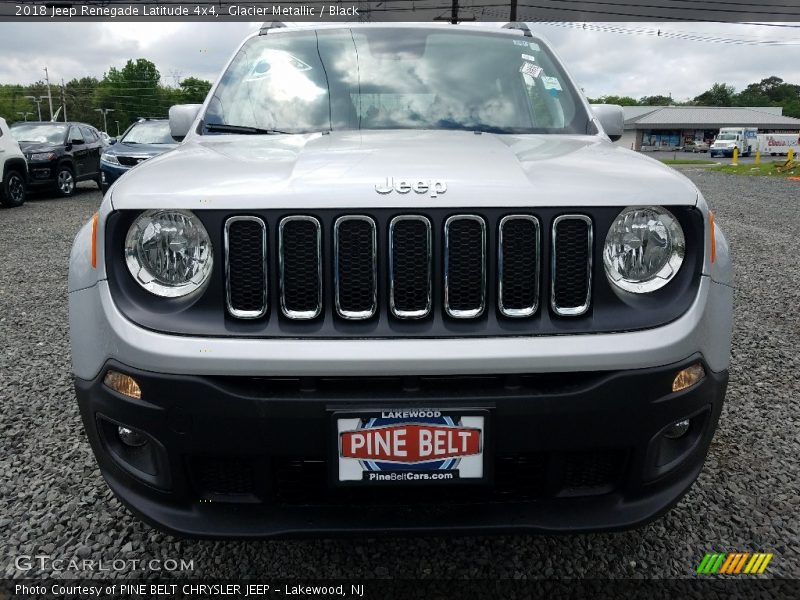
744, 138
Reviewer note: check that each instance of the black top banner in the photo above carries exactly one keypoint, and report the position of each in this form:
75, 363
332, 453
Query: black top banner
778, 12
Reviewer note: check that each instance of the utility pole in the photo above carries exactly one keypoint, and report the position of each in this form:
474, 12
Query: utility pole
64, 99
38, 102
117, 122
513, 15
24, 114
105, 111
49, 95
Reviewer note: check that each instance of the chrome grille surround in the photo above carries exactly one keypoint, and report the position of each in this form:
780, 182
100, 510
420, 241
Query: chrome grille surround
397, 312
288, 312
246, 314
363, 314
571, 311
528, 310
478, 310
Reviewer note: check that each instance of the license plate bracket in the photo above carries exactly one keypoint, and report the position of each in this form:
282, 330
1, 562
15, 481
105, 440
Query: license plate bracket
410, 446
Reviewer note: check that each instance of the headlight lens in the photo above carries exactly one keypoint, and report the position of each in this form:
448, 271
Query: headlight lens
168, 252
43, 156
109, 158
644, 249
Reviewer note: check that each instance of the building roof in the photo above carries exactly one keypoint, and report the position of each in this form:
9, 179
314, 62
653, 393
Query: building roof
708, 117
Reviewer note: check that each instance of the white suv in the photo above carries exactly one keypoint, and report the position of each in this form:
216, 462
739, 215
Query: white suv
13, 169
399, 278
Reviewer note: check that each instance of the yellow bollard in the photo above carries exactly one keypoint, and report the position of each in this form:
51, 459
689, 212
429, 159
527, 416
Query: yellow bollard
758, 157
735, 156
790, 155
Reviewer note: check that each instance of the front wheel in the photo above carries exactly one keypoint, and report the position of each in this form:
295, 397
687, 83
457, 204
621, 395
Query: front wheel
13, 190
65, 181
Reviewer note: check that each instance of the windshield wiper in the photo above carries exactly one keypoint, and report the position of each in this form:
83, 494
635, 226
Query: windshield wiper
225, 128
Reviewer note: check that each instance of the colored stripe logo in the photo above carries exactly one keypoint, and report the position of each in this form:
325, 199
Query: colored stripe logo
734, 563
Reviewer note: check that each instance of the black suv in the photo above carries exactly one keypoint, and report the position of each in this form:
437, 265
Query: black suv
60, 155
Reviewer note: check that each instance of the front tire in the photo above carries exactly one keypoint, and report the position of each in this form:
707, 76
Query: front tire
14, 190
65, 182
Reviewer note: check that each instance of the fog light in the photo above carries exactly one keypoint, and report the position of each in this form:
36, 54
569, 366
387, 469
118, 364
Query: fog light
677, 430
688, 377
130, 437
124, 384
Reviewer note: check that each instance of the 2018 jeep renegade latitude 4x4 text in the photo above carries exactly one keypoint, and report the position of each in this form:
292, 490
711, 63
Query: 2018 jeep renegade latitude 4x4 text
399, 278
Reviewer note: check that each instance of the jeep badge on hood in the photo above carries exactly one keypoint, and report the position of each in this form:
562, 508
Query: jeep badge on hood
419, 186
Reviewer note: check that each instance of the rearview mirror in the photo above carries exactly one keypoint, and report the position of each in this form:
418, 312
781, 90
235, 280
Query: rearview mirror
611, 119
181, 117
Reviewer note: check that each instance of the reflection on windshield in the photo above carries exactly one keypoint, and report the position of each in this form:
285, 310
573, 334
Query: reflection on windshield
149, 133
42, 134
726, 136
382, 78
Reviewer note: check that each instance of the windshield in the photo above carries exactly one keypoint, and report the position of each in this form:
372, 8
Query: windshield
726, 136
149, 132
47, 133
396, 78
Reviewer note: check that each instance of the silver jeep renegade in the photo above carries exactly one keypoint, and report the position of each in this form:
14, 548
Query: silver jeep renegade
398, 278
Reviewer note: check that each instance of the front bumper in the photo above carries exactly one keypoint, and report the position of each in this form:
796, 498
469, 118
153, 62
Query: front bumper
249, 456
41, 174
111, 173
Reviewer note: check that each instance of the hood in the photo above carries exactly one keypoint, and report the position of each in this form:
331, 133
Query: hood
139, 149
342, 169
31, 147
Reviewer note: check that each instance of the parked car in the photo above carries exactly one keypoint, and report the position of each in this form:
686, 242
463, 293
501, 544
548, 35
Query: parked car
13, 169
143, 140
398, 278
696, 146
59, 154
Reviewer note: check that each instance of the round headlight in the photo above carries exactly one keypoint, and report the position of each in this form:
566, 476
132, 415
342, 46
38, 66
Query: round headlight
644, 249
168, 252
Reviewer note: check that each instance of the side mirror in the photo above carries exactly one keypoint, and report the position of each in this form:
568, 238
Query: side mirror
611, 118
112, 141
76, 142
181, 117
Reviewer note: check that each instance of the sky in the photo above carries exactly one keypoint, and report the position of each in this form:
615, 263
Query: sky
628, 59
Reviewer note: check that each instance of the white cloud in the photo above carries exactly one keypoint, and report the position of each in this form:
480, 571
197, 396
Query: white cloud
603, 62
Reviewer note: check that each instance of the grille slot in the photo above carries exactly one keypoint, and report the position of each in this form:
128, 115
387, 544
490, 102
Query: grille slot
464, 266
518, 265
410, 250
246, 267
300, 261
571, 265
356, 263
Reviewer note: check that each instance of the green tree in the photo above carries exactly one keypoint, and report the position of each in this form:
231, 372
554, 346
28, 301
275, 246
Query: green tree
133, 91
619, 100
656, 101
720, 94
194, 90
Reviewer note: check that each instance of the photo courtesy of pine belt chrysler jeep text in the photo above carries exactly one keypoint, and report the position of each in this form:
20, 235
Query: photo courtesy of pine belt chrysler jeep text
398, 278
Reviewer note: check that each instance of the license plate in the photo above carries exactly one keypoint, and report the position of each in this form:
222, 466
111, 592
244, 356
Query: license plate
411, 446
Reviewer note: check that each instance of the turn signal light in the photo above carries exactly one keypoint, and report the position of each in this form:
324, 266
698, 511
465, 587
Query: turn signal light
124, 384
95, 218
688, 377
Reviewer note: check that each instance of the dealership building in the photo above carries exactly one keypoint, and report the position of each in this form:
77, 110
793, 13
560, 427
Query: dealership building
670, 127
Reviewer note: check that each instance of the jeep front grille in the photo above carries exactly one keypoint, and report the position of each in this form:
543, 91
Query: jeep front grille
300, 265
389, 266
572, 265
246, 267
355, 267
464, 266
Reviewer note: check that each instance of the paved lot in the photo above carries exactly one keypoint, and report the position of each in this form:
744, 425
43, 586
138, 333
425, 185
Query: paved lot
54, 502
662, 154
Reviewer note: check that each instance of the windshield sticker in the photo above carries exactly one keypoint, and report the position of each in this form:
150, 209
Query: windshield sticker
551, 83
529, 57
534, 46
520, 43
530, 69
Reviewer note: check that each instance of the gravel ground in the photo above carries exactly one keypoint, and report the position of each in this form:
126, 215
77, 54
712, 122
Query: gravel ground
54, 502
